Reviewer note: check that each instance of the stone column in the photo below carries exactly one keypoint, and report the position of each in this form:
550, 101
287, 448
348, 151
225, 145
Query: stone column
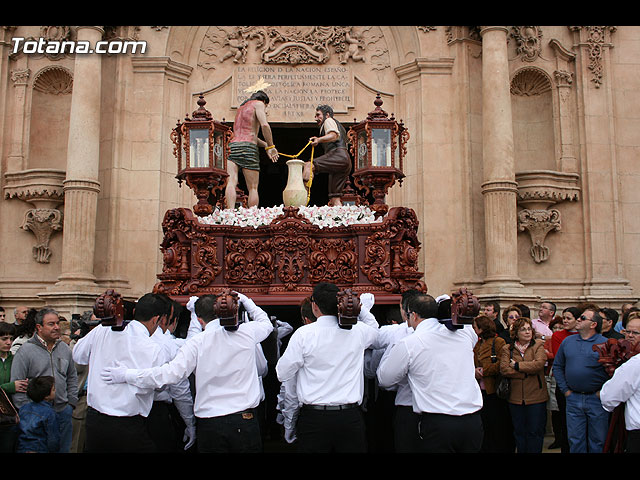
499, 188
81, 185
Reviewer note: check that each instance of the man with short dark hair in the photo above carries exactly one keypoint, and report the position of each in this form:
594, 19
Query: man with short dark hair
2, 315
609, 319
44, 354
335, 161
439, 364
328, 362
492, 310
116, 420
579, 376
405, 420
226, 379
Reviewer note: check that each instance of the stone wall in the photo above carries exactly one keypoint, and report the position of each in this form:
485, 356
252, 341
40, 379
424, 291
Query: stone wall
542, 155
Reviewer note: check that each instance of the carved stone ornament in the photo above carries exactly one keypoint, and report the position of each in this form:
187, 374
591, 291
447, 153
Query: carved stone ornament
528, 42
539, 223
42, 222
537, 191
285, 45
41, 188
596, 41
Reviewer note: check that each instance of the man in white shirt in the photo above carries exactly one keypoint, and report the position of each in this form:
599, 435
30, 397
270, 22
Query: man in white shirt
327, 361
226, 378
173, 404
405, 420
624, 387
438, 362
116, 413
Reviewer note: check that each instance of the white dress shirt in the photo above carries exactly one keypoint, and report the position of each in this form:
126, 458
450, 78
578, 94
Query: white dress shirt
103, 347
224, 362
623, 387
388, 336
180, 391
438, 363
328, 361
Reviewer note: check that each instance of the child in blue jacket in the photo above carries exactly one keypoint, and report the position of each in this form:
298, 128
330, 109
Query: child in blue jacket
38, 430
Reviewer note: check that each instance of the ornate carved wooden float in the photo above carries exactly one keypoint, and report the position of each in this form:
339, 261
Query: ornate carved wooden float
280, 262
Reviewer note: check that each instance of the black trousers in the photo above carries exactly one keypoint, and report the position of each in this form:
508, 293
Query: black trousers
325, 431
451, 434
406, 436
233, 433
161, 427
633, 441
107, 434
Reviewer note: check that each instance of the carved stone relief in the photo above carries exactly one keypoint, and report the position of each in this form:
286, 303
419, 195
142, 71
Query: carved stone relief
289, 45
537, 192
528, 42
596, 41
53, 80
42, 189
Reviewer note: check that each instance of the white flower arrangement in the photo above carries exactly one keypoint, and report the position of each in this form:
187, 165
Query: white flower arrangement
323, 216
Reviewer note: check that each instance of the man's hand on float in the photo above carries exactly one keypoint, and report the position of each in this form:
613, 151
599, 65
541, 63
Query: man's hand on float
366, 301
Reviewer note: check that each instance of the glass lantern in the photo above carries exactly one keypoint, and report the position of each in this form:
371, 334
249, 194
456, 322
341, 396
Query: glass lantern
200, 147
378, 144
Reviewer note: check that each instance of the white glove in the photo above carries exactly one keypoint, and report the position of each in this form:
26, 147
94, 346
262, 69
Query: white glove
367, 300
290, 435
189, 436
191, 304
185, 408
115, 374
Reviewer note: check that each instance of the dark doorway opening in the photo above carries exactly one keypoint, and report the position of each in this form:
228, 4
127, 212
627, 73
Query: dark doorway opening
289, 139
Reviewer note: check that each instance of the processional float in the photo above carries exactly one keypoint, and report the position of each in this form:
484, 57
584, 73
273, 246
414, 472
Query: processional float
276, 255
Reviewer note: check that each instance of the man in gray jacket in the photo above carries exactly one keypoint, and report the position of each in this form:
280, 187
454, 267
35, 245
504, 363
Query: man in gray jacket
45, 354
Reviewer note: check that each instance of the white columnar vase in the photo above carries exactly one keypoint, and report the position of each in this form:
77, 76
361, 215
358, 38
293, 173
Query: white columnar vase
295, 193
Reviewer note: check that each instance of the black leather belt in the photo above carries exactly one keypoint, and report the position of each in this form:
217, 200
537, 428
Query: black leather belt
346, 406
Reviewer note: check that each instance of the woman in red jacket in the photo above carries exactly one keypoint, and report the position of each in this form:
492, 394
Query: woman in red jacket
523, 362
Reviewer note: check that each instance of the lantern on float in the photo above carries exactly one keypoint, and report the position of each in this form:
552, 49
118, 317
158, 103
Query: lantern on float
378, 146
201, 148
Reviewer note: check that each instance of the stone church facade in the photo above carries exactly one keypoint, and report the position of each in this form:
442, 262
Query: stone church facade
521, 164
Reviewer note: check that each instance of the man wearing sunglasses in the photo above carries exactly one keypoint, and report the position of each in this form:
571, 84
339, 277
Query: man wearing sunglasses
579, 377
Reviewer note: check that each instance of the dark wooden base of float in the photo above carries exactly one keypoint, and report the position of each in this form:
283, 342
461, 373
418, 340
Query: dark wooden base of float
279, 263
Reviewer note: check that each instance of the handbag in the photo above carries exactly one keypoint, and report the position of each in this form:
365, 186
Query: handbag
503, 388
8, 413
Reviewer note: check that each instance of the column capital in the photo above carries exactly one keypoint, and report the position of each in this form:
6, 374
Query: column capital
484, 29
99, 29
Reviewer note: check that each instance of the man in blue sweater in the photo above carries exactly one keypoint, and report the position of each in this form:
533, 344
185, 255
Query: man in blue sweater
579, 377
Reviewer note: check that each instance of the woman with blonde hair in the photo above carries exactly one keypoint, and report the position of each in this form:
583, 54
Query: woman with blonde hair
523, 362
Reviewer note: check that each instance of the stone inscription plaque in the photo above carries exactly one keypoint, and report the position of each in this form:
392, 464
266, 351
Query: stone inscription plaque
295, 91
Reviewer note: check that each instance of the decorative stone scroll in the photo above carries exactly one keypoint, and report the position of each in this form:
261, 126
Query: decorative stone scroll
538, 190
42, 188
280, 262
